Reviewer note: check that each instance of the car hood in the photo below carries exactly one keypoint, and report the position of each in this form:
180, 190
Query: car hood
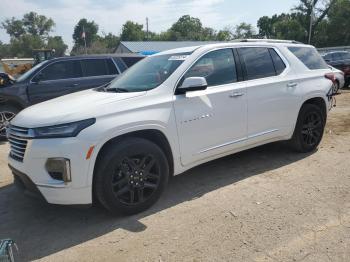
72, 107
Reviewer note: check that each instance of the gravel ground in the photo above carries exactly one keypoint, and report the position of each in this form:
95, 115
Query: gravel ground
265, 204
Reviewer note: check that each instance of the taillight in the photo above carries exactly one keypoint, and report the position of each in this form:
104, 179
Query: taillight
331, 77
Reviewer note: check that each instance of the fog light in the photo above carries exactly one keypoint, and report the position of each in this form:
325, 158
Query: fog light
59, 169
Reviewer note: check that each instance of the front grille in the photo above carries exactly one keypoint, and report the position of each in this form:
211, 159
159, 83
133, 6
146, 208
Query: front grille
18, 138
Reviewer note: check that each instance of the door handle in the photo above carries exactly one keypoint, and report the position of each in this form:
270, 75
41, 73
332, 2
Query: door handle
292, 84
236, 94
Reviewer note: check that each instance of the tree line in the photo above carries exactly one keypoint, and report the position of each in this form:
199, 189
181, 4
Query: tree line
330, 27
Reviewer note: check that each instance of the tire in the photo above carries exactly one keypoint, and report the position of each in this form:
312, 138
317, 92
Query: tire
7, 112
130, 176
309, 129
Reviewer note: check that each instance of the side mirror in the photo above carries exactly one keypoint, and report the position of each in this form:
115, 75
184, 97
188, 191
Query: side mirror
327, 60
192, 84
38, 78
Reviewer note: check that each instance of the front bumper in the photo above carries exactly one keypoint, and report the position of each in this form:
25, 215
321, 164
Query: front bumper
32, 172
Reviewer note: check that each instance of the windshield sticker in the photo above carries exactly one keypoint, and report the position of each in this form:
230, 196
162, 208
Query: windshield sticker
178, 57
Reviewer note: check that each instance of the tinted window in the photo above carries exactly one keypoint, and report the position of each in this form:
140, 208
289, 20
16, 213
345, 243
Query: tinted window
337, 56
309, 56
112, 70
258, 62
129, 61
61, 70
94, 67
345, 56
277, 61
122, 66
328, 57
218, 68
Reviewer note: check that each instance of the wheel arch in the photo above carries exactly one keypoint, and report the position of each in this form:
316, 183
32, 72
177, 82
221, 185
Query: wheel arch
319, 102
154, 135
5, 101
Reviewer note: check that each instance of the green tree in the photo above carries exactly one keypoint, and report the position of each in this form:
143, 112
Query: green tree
4, 50
338, 26
90, 28
223, 35
132, 32
31, 24
111, 41
243, 30
56, 42
318, 8
23, 46
186, 28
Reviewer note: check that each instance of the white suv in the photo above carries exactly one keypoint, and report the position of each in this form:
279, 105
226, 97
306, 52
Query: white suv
172, 111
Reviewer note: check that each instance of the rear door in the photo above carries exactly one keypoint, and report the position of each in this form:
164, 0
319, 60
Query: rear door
271, 91
97, 72
56, 79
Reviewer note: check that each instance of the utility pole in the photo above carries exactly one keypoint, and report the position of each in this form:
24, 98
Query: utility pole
84, 36
147, 28
311, 20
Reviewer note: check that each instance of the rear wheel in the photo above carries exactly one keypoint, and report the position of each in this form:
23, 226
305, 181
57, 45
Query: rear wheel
309, 129
131, 175
7, 113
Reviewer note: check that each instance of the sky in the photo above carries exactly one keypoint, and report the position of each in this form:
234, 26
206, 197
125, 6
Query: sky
110, 15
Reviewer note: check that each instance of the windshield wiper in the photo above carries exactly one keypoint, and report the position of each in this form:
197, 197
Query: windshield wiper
118, 90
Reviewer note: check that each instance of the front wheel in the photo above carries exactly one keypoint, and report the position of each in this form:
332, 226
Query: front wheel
7, 112
130, 176
309, 129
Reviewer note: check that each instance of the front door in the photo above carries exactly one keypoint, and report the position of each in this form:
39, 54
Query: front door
213, 121
56, 79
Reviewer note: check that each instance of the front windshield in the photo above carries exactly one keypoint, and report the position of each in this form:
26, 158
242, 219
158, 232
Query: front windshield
28, 73
148, 73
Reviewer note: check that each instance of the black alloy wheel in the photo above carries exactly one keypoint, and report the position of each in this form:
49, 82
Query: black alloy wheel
312, 129
309, 128
130, 175
135, 179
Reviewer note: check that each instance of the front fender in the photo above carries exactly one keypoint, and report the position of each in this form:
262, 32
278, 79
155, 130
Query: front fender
117, 132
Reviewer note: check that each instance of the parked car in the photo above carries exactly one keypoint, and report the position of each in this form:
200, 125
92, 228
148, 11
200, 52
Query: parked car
339, 79
168, 113
341, 61
57, 77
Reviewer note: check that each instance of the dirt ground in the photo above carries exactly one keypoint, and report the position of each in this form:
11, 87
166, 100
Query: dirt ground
265, 204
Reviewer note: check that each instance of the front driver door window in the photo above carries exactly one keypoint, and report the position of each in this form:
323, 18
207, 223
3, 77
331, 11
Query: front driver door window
57, 79
213, 121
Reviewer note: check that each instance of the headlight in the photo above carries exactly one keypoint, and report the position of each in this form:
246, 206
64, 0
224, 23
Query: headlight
63, 130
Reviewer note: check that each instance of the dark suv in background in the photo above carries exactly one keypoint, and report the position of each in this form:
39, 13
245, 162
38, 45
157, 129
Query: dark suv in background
341, 61
57, 77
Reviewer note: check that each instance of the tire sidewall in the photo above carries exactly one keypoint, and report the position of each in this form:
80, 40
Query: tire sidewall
298, 137
116, 154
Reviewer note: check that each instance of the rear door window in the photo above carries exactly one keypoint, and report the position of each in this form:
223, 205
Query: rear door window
112, 70
61, 70
122, 66
309, 57
345, 56
94, 67
258, 62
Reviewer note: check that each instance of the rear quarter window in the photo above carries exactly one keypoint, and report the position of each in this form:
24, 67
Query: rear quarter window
309, 57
